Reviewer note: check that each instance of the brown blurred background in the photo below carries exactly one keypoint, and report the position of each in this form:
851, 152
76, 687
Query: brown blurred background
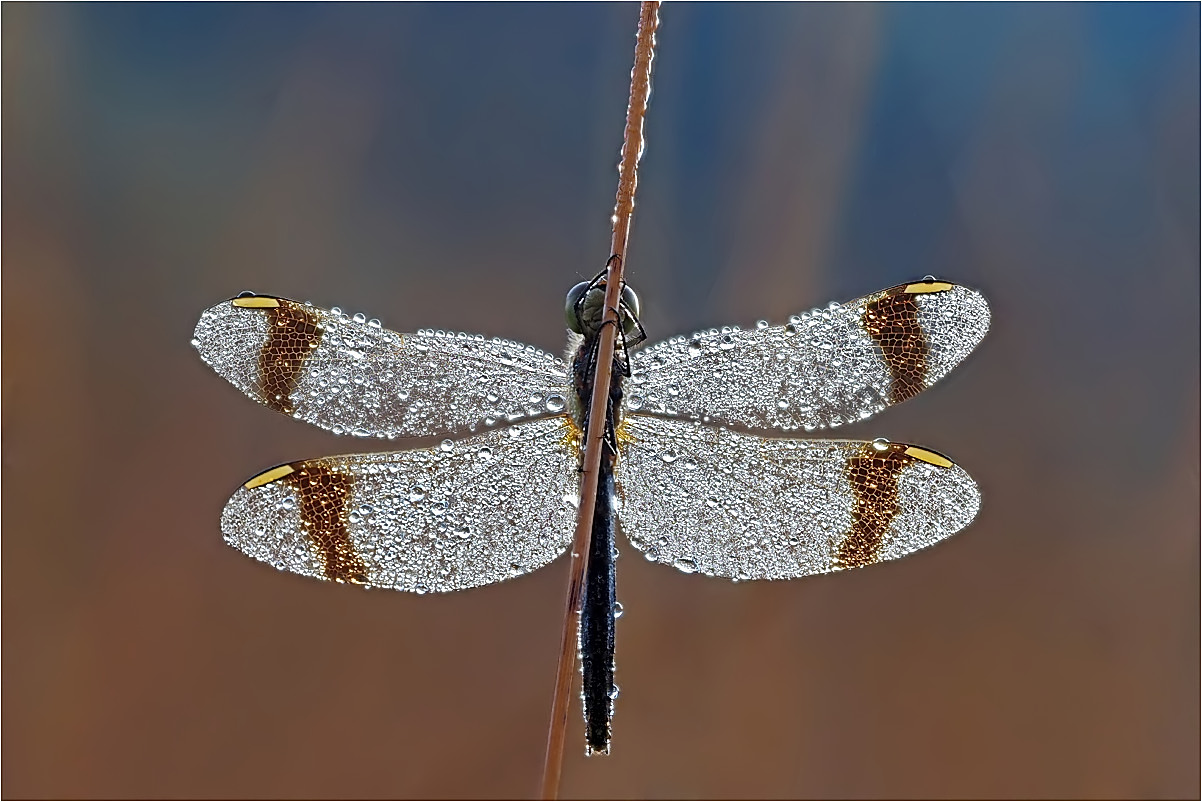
453, 166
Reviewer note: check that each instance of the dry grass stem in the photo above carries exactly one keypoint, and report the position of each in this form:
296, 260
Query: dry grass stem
632, 150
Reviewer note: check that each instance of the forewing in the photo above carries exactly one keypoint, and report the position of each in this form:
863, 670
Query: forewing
734, 505
455, 516
352, 376
823, 369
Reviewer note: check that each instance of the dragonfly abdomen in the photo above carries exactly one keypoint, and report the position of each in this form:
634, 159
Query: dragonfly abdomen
597, 620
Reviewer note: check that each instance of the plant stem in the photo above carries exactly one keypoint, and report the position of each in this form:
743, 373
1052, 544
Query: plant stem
632, 150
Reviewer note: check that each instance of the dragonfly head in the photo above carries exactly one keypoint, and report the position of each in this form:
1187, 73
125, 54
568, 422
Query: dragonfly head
585, 304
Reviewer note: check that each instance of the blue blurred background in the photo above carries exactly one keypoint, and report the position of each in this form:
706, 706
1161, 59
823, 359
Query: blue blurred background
452, 165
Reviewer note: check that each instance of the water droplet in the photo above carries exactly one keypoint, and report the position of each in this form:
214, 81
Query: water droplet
782, 404
880, 444
726, 343
438, 508
484, 453
686, 565
668, 457
673, 390
462, 532
361, 432
288, 503
711, 501
374, 323
403, 395
491, 397
635, 402
695, 347
446, 445
761, 324
417, 493
618, 609
555, 403
359, 317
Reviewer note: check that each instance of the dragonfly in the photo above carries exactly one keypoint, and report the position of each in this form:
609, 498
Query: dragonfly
706, 466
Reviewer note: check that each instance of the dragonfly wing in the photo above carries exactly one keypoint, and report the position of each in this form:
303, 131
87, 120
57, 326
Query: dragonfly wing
727, 504
462, 514
351, 376
823, 369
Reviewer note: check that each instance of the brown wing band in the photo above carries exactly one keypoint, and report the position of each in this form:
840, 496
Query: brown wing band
323, 495
892, 321
873, 474
292, 334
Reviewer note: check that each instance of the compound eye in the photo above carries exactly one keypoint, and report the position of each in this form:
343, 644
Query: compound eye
630, 308
570, 307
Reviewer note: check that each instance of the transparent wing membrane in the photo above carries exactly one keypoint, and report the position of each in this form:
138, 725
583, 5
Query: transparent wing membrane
461, 514
743, 507
351, 376
823, 369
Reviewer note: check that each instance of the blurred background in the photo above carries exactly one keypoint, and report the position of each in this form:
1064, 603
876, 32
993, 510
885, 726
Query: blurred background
454, 166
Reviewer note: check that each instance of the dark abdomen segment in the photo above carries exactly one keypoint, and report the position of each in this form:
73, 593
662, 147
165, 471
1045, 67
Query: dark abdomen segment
597, 618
